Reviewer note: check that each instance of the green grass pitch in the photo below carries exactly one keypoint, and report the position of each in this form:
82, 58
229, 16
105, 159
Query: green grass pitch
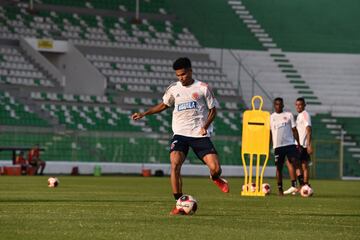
123, 207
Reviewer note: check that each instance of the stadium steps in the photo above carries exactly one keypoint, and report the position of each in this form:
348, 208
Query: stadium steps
275, 52
213, 24
334, 80
18, 69
351, 135
13, 112
297, 26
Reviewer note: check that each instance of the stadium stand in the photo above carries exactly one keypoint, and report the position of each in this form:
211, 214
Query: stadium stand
15, 113
299, 26
104, 31
135, 58
129, 78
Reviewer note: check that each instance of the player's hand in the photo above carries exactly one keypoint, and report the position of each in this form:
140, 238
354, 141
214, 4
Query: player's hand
203, 131
299, 148
137, 116
309, 149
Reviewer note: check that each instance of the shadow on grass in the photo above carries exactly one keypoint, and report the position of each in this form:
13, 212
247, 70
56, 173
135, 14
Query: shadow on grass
325, 215
78, 201
297, 214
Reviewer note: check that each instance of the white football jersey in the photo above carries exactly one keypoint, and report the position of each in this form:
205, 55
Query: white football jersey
302, 121
281, 125
191, 105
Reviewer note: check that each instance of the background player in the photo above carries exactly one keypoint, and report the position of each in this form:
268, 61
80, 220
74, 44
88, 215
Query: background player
20, 160
35, 161
303, 125
283, 132
194, 111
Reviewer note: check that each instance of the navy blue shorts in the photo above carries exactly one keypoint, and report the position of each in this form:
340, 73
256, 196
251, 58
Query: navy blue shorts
304, 156
201, 146
290, 152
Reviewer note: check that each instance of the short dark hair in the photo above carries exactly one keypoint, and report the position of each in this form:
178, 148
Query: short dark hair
301, 99
182, 63
279, 99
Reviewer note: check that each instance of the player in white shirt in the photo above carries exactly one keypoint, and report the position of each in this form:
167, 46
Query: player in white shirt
303, 125
194, 111
284, 133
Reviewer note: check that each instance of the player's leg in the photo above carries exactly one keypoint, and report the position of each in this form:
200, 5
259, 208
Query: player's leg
34, 164
178, 150
279, 168
292, 173
299, 168
279, 163
305, 167
212, 161
176, 158
205, 151
300, 175
23, 169
42, 165
292, 163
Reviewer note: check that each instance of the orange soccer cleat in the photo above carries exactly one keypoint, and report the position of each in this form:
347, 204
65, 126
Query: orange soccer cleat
176, 211
222, 184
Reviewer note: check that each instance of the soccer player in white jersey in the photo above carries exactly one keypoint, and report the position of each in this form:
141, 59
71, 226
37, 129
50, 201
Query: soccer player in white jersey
194, 111
303, 125
284, 133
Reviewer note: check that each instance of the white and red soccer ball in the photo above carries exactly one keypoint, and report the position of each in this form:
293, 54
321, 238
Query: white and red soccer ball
187, 204
53, 182
249, 187
266, 188
252, 188
306, 191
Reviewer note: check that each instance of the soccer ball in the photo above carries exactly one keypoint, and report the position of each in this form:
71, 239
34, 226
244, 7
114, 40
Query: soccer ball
186, 204
306, 191
251, 187
266, 188
53, 182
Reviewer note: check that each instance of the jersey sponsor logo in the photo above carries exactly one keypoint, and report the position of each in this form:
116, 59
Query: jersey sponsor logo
186, 106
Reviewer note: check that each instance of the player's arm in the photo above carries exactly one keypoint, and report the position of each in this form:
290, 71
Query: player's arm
295, 131
209, 120
296, 136
309, 148
155, 109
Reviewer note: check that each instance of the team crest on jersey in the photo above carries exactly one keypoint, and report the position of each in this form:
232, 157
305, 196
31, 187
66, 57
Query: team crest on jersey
285, 118
186, 106
195, 96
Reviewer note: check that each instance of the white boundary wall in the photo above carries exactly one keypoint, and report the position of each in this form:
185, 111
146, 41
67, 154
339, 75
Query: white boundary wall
58, 167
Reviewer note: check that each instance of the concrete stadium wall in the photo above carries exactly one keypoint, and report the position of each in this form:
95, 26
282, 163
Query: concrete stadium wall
136, 168
81, 76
